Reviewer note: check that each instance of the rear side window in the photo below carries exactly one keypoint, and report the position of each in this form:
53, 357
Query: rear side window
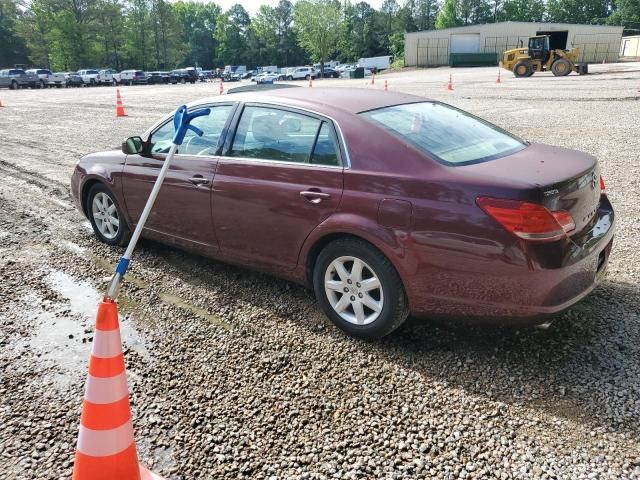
212, 126
92, 72
273, 134
449, 135
16, 72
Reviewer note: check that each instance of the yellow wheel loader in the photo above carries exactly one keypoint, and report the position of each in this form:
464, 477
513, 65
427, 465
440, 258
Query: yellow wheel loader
524, 62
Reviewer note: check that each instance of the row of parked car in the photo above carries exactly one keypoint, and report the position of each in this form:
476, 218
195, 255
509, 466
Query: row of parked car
306, 73
42, 78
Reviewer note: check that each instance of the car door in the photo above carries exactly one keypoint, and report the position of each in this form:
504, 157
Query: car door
281, 176
182, 212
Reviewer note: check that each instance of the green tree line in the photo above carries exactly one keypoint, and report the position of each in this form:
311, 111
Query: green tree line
157, 34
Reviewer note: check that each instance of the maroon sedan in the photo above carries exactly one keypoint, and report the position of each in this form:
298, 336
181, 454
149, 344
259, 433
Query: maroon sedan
386, 204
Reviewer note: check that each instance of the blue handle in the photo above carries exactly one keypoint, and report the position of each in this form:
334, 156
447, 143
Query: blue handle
182, 122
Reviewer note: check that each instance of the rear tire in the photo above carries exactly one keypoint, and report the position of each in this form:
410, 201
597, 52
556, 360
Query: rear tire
102, 207
522, 69
14, 85
329, 282
290, 78
561, 67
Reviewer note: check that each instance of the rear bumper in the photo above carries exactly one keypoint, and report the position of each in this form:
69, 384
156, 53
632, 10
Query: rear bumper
548, 282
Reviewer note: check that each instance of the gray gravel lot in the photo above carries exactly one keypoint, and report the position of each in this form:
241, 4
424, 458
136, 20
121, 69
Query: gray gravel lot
234, 374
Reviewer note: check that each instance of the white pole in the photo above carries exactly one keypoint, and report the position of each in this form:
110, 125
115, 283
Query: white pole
112, 291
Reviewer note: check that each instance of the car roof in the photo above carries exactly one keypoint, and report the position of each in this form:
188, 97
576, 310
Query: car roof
321, 99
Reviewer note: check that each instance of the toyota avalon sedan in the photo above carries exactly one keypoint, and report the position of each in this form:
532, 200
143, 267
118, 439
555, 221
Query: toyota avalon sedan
385, 204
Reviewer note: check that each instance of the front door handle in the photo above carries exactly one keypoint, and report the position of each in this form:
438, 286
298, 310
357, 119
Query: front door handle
199, 180
315, 196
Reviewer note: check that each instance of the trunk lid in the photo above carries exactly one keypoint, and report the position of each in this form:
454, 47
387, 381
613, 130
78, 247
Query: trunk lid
558, 178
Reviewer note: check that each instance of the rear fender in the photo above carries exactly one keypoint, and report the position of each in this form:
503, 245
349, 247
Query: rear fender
391, 242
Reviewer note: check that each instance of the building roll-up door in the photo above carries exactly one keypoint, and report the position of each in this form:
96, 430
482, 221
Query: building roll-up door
465, 43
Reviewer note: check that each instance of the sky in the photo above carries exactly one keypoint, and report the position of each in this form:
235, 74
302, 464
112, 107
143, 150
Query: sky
252, 5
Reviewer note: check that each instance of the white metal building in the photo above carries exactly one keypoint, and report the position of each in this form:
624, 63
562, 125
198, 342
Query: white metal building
433, 47
630, 47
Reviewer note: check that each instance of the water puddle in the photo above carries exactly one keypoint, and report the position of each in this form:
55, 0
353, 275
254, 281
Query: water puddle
200, 312
64, 330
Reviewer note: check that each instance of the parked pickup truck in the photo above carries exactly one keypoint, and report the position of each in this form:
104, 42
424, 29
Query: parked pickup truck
14, 78
46, 78
90, 77
109, 76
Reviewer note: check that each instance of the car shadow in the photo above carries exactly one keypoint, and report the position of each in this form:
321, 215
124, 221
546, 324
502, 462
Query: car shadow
584, 367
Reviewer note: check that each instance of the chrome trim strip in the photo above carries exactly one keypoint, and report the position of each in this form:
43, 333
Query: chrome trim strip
280, 162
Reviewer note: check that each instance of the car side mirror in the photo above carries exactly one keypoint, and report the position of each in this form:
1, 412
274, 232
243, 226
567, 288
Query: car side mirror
133, 145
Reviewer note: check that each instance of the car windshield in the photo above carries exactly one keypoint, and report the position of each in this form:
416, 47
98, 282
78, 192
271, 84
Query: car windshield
450, 135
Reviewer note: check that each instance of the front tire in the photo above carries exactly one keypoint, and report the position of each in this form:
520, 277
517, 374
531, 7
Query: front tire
358, 288
522, 69
561, 67
106, 216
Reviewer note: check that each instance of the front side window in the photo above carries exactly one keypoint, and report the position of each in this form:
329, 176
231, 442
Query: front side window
212, 126
449, 135
273, 134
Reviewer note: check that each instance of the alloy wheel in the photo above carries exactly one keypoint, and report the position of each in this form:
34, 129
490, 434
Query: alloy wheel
354, 290
105, 215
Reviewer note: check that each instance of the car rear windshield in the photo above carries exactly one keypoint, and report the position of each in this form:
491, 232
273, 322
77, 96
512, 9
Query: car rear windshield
449, 135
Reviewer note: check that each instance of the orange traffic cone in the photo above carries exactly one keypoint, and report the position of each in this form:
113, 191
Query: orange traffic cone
106, 447
119, 107
221, 86
310, 81
373, 78
385, 86
450, 84
498, 79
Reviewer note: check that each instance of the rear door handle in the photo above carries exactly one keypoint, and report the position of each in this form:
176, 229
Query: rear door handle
199, 180
314, 196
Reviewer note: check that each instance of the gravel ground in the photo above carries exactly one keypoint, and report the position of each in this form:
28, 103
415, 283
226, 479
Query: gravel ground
234, 374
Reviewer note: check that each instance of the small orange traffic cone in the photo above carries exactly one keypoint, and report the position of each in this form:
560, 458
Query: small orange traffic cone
221, 86
310, 81
106, 447
450, 84
373, 78
119, 107
385, 86
498, 79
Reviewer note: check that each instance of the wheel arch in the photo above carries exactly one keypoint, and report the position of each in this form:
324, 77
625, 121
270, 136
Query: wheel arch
86, 187
386, 245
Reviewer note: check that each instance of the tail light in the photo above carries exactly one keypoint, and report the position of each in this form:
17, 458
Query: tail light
602, 186
526, 220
